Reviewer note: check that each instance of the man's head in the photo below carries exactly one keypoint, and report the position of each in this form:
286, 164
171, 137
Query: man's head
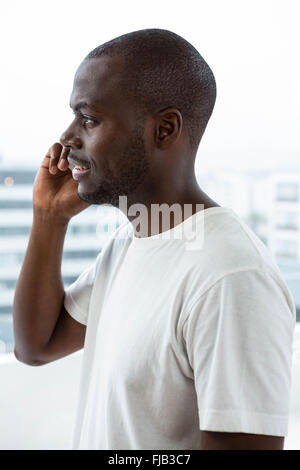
150, 96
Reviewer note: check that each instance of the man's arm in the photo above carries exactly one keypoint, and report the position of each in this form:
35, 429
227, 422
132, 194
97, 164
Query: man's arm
210, 440
68, 336
43, 330
239, 344
38, 311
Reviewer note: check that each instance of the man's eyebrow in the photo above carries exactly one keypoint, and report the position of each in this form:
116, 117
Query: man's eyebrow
79, 105
84, 104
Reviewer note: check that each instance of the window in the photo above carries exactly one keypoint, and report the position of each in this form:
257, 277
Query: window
287, 220
287, 192
287, 248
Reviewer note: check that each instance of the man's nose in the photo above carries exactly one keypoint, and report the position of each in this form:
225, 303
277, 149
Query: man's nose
69, 139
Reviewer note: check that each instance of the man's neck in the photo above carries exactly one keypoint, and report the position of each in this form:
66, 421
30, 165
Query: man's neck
159, 215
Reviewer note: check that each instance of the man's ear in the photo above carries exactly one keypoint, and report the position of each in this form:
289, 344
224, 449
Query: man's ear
168, 127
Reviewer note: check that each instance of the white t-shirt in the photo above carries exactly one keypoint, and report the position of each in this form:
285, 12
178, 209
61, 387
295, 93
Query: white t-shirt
182, 337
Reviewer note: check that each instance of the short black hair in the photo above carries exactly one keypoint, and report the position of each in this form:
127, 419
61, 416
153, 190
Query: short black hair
163, 70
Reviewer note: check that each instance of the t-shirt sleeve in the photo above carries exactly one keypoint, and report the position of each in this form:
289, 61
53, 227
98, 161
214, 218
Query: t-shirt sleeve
238, 337
77, 295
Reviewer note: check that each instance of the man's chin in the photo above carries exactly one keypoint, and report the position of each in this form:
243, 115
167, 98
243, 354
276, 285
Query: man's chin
99, 199
86, 198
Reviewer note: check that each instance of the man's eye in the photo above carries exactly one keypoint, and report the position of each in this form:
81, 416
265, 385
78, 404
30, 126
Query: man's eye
84, 119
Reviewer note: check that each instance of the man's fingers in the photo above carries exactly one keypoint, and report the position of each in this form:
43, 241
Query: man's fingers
54, 153
58, 158
63, 163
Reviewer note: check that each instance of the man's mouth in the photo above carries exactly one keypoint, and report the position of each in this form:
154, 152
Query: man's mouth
81, 168
78, 172
74, 164
78, 169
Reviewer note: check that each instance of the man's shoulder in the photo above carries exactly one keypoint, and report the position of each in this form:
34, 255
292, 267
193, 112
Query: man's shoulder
230, 245
236, 246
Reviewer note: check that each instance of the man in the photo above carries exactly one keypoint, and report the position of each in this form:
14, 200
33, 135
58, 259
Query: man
185, 346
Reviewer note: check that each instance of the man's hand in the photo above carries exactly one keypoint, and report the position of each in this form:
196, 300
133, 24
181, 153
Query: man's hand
55, 192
